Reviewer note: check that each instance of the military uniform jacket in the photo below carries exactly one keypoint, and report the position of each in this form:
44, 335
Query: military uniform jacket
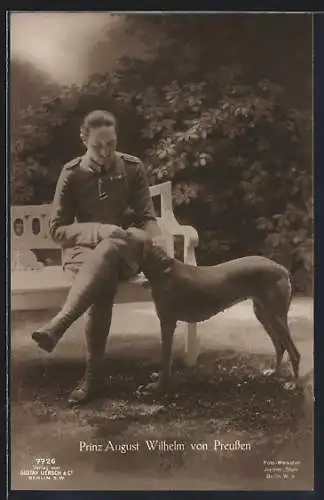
86, 197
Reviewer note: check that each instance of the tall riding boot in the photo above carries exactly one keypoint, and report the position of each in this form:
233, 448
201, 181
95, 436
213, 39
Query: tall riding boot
98, 320
98, 275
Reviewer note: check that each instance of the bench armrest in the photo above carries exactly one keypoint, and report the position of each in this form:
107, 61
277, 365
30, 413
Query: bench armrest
190, 236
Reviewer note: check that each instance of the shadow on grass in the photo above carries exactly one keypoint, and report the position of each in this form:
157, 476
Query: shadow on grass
224, 385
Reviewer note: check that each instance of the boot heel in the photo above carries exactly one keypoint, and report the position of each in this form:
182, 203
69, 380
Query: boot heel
86, 391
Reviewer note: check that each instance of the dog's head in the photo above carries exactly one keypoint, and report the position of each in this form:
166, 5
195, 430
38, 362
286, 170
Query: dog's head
157, 265
152, 253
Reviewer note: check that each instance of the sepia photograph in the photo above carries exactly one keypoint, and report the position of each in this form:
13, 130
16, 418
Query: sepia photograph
161, 237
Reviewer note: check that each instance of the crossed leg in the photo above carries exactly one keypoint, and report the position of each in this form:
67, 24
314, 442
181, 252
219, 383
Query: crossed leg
93, 290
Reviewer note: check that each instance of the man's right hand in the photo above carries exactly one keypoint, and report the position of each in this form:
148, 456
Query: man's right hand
111, 231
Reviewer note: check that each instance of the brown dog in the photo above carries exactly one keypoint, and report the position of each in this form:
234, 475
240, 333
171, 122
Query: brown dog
192, 294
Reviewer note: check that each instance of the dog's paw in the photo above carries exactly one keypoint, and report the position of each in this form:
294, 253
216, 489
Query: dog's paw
151, 388
156, 387
290, 386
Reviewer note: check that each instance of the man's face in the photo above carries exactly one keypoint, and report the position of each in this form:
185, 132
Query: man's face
101, 144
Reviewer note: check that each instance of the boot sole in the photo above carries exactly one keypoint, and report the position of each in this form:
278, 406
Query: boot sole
83, 401
44, 341
88, 396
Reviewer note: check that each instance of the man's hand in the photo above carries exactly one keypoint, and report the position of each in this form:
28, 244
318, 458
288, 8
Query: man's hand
160, 241
111, 231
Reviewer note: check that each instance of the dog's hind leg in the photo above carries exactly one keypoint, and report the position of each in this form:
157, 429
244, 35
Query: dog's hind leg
282, 318
276, 303
261, 314
280, 323
167, 331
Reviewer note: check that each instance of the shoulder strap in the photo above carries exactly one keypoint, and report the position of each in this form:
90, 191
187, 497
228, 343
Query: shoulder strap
73, 163
130, 158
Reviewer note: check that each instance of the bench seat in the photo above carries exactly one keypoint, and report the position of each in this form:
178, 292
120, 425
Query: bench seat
47, 289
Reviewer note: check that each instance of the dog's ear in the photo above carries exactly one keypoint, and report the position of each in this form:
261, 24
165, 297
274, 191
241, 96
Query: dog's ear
161, 254
168, 270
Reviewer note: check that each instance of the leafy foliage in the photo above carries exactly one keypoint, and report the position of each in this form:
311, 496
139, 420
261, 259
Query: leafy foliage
235, 156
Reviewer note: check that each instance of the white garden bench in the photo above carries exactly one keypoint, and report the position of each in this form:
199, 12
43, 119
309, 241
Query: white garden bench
35, 286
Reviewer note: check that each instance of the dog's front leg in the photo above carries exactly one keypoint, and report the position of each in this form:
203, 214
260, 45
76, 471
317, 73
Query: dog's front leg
167, 331
162, 383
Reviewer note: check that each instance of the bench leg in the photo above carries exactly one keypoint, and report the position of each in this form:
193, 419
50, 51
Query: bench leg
191, 345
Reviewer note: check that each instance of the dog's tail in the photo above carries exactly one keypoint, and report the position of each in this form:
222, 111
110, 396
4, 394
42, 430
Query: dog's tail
287, 287
291, 288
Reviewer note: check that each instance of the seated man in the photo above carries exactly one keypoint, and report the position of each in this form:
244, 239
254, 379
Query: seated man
92, 196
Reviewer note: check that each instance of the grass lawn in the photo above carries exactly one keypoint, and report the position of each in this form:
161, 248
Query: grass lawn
226, 398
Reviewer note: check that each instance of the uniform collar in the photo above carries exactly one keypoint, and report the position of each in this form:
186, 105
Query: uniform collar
116, 167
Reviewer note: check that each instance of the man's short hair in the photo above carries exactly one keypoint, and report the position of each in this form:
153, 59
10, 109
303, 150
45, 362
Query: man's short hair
96, 119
